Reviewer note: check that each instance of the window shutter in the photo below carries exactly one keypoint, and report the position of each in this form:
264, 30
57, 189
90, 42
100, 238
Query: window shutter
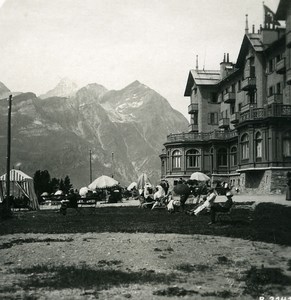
209, 118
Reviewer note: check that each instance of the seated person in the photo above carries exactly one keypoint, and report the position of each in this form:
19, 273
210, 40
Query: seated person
207, 203
159, 196
221, 207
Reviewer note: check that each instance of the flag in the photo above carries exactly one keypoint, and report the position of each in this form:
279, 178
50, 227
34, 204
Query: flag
270, 16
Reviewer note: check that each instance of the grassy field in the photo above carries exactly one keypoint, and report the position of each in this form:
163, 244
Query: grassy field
270, 223
97, 255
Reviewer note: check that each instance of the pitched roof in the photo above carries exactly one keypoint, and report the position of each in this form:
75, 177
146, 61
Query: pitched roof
16, 175
282, 10
201, 77
252, 39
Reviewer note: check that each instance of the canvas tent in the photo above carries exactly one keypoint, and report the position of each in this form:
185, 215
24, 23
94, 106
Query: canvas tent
20, 184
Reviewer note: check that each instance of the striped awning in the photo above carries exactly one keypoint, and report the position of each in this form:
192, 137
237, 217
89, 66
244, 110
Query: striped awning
16, 175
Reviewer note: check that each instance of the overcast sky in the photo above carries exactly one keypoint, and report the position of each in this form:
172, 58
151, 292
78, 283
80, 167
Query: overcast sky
114, 42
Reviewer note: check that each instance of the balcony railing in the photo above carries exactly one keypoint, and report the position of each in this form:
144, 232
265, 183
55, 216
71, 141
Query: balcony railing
280, 66
223, 123
248, 84
229, 97
272, 111
248, 106
234, 118
192, 108
201, 136
193, 127
276, 98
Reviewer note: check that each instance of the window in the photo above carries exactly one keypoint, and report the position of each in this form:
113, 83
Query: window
258, 144
213, 97
271, 91
271, 66
213, 118
279, 92
239, 86
222, 157
233, 156
287, 144
233, 88
193, 158
232, 109
239, 106
176, 159
195, 118
245, 146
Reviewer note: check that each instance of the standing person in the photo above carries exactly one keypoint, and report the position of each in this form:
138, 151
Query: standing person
221, 207
288, 191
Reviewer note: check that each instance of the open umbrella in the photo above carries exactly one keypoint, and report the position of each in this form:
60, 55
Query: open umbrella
44, 194
181, 189
83, 191
131, 186
59, 193
102, 182
142, 180
199, 176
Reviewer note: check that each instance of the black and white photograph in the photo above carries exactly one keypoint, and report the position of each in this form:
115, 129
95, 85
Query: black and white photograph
145, 149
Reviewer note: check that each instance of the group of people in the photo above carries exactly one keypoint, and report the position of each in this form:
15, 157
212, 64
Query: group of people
162, 196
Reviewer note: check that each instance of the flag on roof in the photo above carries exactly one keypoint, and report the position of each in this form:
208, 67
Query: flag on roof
270, 16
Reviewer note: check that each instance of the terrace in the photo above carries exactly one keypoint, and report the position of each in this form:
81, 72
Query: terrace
201, 136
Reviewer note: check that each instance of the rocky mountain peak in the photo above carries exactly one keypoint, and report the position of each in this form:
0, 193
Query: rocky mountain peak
65, 88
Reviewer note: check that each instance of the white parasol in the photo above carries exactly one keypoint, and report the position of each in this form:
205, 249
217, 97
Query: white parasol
102, 182
199, 176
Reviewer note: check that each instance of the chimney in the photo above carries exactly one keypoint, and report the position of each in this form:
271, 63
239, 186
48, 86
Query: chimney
224, 58
247, 25
227, 60
196, 62
253, 31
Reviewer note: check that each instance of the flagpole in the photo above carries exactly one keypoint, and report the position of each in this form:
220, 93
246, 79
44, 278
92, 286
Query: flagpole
7, 200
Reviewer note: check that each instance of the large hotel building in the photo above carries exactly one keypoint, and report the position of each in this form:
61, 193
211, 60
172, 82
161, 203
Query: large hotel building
240, 115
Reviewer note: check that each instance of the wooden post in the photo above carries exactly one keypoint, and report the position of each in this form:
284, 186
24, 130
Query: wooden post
90, 154
7, 202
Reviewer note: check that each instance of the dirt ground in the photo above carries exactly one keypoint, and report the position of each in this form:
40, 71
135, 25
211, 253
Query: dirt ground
203, 267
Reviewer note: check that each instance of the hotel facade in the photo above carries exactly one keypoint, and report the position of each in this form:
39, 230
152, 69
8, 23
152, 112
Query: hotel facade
240, 114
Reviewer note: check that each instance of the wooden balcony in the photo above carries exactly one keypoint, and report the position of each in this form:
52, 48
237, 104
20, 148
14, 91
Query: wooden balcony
276, 98
223, 123
192, 108
280, 66
193, 127
248, 84
234, 118
229, 97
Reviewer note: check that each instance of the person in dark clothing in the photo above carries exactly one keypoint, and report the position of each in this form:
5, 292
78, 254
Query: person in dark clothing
221, 207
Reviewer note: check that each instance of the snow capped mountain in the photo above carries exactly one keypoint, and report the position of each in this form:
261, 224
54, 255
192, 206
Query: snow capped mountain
57, 134
65, 88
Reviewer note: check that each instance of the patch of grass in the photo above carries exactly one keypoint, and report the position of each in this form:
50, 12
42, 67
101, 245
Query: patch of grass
257, 280
188, 268
221, 294
86, 277
175, 291
31, 240
271, 223
109, 262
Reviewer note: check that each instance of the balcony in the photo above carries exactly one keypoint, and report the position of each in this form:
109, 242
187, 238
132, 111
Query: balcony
276, 98
202, 136
248, 84
234, 118
248, 106
192, 108
223, 123
274, 110
280, 66
288, 39
229, 97
193, 127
